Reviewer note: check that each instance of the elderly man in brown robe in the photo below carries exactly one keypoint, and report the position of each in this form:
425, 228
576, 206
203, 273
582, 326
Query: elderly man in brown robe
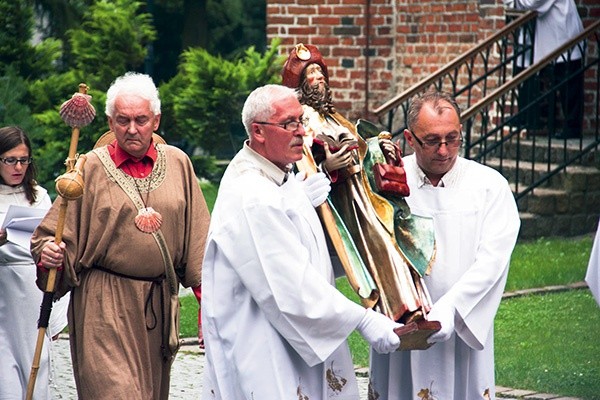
141, 206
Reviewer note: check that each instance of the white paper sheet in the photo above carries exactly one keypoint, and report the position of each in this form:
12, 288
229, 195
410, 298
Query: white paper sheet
20, 222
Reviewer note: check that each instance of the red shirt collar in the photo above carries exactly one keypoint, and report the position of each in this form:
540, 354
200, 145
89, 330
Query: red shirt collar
137, 167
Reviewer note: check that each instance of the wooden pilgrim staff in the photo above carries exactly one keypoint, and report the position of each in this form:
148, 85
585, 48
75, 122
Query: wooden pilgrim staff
77, 113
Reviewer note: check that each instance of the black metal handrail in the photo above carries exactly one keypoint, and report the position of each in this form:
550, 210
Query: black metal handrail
530, 161
492, 64
495, 133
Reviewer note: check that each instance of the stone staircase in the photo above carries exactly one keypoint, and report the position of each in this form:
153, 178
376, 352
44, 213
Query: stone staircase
568, 204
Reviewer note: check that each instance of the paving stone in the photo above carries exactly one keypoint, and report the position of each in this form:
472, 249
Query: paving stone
567, 398
518, 392
500, 389
186, 374
542, 396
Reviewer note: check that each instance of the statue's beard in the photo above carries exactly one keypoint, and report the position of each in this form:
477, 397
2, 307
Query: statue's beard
316, 98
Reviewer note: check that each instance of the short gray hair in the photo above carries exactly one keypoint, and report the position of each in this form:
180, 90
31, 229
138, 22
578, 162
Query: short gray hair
259, 104
432, 97
135, 84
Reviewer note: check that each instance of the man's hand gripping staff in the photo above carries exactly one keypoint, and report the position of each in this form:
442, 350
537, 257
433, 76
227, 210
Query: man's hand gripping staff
77, 113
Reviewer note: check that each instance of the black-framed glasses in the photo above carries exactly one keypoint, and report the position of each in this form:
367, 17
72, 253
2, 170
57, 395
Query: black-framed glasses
15, 160
290, 126
452, 141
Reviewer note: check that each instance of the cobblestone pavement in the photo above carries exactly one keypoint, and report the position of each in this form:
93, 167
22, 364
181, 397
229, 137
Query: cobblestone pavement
186, 375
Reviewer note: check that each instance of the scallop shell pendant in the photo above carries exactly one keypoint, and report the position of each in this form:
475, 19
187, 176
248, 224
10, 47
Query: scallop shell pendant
148, 220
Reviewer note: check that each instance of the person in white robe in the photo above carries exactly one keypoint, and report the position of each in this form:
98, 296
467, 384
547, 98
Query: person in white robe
557, 22
275, 326
20, 298
592, 276
476, 227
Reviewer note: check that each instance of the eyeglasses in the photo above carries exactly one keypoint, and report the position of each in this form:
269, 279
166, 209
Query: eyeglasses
452, 141
15, 160
290, 126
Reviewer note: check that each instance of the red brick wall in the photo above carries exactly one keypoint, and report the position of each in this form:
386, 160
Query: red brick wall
376, 49
589, 10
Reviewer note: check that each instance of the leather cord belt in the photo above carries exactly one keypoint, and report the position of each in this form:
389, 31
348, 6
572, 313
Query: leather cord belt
148, 308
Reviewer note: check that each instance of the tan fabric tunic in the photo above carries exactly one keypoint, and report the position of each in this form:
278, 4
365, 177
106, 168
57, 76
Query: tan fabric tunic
115, 334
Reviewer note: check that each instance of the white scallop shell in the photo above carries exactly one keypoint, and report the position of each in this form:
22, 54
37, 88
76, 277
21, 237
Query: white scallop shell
148, 220
302, 52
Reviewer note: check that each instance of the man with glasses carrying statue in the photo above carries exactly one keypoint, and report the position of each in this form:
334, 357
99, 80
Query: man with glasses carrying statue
274, 323
385, 250
476, 226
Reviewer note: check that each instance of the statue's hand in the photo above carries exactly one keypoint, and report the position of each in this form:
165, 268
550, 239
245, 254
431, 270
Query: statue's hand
339, 159
389, 150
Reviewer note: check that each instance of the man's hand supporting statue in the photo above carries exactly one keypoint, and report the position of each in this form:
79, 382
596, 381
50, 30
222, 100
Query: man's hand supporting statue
316, 187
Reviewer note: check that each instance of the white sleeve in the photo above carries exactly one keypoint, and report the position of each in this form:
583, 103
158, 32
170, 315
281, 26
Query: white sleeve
275, 267
478, 293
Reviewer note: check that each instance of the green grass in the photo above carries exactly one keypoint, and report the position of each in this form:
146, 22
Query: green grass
209, 190
188, 323
539, 263
550, 343
548, 262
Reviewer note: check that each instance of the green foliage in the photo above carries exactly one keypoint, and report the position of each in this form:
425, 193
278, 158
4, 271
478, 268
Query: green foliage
96, 41
52, 136
111, 40
16, 19
46, 57
209, 191
18, 53
235, 25
208, 167
13, 110
59, 16
203, 102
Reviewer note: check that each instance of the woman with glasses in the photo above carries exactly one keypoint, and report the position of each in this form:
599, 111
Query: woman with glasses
20, 298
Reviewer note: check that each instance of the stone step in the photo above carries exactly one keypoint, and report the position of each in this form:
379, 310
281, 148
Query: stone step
563, 225
575, 178
542, 149
545, 201
556, 153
